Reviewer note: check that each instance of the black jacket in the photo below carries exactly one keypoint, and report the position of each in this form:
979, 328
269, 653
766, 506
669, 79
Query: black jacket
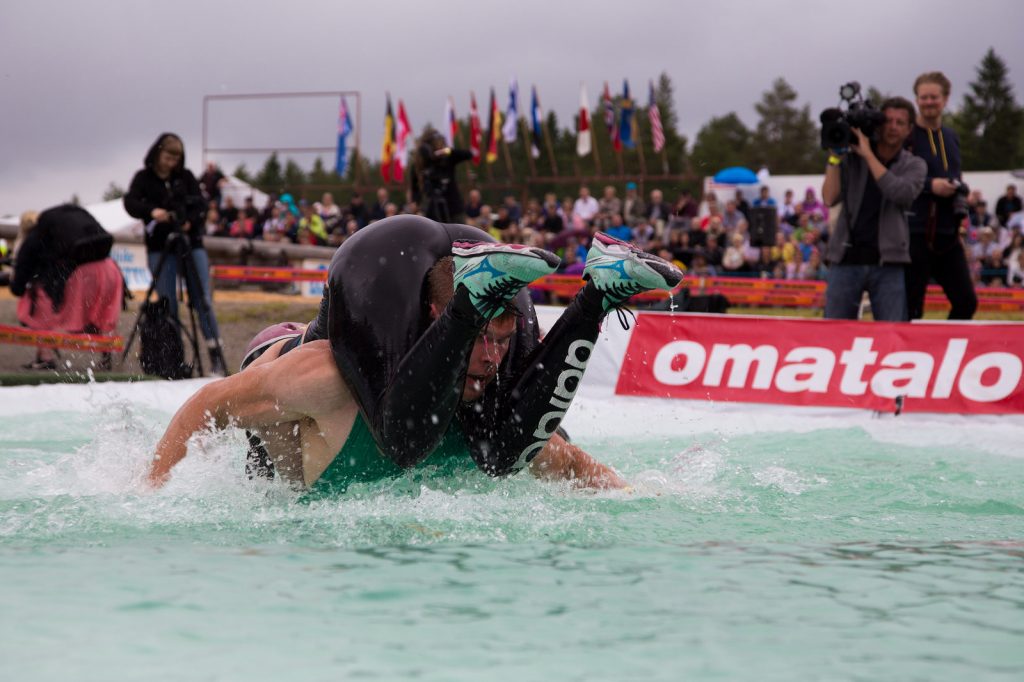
180, 193
434, 179
65, 237
941, 153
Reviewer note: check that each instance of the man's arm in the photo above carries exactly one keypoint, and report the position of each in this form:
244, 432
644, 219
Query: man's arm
302, 383
561, 460
830, 188
900, 188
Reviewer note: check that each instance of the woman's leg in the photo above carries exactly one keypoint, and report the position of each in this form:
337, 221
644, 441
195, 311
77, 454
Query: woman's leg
166, 279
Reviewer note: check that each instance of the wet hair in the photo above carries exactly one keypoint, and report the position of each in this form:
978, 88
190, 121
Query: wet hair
900, 103
441, 287
936, 77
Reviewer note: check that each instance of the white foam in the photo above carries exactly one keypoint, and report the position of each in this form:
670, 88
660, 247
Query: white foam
596, 413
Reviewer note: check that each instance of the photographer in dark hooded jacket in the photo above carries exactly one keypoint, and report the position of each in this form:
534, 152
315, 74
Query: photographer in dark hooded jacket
166, 197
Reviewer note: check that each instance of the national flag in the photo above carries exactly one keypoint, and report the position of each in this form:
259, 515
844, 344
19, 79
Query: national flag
626, 120
387, 151
535, 122
493, 130
583, 124
609, 119
402, 146
474, 129
344, 128
451, 128
511, 113
654, 116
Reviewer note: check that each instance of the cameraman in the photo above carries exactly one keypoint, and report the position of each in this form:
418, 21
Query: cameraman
876, 185
433, 179
935, 247
165, 196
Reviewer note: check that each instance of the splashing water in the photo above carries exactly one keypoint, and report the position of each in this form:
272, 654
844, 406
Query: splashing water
821, 544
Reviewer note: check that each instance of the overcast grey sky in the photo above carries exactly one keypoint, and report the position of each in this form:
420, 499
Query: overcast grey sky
86, 86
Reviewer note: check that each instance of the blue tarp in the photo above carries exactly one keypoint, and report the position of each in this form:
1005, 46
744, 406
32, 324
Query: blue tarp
736, 175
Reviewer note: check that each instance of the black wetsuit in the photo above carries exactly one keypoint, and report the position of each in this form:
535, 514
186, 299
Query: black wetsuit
407, 370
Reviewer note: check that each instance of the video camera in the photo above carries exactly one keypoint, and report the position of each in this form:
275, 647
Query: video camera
961, 208
837, 123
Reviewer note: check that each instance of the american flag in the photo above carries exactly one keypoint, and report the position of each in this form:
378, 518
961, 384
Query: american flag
657, 134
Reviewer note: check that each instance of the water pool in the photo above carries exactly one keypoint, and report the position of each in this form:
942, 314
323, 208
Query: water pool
757, 544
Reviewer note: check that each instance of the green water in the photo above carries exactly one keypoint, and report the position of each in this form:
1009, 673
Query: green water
805, 554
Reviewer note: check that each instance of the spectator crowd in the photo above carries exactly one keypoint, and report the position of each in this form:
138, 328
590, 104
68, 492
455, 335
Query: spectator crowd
709, 236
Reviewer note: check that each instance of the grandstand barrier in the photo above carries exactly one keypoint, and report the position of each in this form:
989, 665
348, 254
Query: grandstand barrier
740, 291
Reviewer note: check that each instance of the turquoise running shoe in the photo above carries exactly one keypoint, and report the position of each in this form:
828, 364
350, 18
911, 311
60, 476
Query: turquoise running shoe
620, 270
493, 273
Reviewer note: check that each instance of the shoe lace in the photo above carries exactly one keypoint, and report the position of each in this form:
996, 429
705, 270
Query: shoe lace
496, 293
617, 293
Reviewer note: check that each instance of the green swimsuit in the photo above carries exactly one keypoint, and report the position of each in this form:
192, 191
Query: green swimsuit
359, 461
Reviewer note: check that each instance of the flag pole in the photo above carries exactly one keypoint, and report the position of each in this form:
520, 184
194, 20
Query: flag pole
551, 150
458, 142
594, 145
528, 145
508, 158
640, 145
357, 173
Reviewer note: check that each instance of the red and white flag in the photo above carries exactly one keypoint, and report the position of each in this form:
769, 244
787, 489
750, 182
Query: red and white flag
583, 124
402, 132
609, 119
474, 129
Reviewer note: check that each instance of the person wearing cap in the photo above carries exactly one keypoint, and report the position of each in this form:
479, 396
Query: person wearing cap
634, 209
987, 251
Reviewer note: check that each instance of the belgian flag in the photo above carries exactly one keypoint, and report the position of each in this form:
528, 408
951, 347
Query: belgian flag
493, 130
387, 150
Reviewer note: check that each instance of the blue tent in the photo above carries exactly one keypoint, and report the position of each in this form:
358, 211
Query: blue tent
736, 175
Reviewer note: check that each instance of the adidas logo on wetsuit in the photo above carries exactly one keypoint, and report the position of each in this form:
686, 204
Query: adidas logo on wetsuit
494, 273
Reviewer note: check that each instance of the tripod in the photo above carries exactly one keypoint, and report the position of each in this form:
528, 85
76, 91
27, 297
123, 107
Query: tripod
177, 247
437, 206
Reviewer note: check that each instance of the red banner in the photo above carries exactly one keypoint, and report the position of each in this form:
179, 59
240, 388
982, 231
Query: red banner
960, 368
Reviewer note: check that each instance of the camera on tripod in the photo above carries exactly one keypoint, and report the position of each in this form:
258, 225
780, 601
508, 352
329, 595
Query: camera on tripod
181, 212
837, 123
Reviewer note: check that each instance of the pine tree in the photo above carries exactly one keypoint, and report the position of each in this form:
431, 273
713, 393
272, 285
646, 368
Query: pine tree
269, 178
294, 176
990, 123
113, 191
786, 138
722, 142
320, 176
242, 173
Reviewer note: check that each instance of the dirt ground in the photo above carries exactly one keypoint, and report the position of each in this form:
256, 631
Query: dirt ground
240, 315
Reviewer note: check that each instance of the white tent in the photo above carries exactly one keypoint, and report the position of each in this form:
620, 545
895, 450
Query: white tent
115, 220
